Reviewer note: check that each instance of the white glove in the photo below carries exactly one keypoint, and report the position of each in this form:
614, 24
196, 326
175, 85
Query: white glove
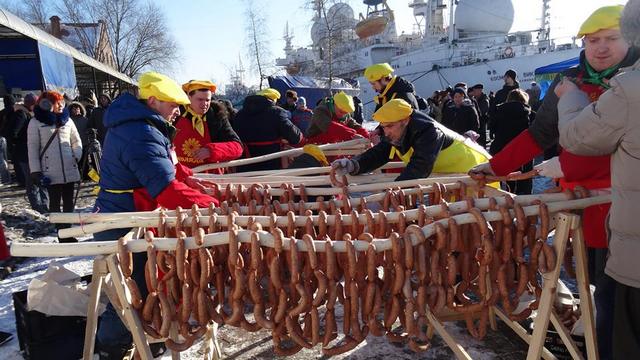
344, 166
474, 136
484, 168
550, 168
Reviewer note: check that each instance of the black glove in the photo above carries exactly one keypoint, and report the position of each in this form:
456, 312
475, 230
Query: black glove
36, 177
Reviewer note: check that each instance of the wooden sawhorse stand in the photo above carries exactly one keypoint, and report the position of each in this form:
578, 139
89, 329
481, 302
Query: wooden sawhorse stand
118, 294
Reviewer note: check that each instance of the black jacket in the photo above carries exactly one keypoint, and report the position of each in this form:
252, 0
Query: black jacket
261, 125
461, 119
545, 129
501, 95
401, 89
425, 135
509, 120
17, 134
96, 122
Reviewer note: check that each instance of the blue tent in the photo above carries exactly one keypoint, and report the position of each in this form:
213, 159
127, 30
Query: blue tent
545, 75
312, 89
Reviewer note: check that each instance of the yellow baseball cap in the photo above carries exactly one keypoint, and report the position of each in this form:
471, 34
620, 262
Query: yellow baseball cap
199, 85
270, 93
606, 17
393, 111
378, 71
344, 102
161, 87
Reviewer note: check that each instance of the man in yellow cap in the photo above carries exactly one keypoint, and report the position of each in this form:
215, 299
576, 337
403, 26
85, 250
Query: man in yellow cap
605, 52
422, 144
389, 86
204, 134
137, 173
262, 127
331, 121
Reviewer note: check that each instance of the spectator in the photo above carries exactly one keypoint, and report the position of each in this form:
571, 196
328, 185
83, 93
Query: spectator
5, 118
301, 116
509, 120
54, 148
482, 100
78, 114
290, 98
534, 96
96, 119
460, 114
358, 115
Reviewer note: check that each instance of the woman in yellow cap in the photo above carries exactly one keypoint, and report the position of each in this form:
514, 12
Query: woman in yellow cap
423, 144
605, 52
389, 86
331, 121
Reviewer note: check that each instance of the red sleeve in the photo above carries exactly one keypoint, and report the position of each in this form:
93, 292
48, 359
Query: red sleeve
522, 149
362, 131
179, 194
580, 168
335, 133
224, 151
182, 172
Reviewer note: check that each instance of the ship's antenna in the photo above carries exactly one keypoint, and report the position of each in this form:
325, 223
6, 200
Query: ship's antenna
545, 21
288, 36
452, 22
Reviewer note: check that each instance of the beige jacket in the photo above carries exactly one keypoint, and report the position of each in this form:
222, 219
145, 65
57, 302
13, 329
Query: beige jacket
60, 160
612, 126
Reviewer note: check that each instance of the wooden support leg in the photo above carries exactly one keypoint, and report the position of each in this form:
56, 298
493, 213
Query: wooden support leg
173, 334
522, 332
541, 323
131, 317
457, 349
565, 335
99, 272
582, 277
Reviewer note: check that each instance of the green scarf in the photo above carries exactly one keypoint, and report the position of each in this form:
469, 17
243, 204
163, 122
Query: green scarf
597, 78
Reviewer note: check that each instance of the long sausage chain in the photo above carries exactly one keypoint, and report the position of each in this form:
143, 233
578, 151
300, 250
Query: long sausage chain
464, 269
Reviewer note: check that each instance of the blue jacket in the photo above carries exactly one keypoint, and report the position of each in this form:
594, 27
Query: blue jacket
136, 153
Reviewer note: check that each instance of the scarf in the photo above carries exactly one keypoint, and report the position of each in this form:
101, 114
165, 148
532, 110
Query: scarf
597, 78
382, 98
197, 121
50, 118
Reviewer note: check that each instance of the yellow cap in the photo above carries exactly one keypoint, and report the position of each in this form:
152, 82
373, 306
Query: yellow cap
316, 152
199, 85
344, 102
377, 71
161, 87
606, 17
394, 110
270, 93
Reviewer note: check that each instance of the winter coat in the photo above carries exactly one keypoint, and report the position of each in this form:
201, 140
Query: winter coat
461, 119
501, 95
302, 119
610, 126
82, 123
60, 159
219, 137
424, 135
96, 121
399, 89
510, 119
322, 125
17, 133
262, 126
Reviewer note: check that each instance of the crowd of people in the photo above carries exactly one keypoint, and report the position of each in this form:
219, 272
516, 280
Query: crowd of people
151, 141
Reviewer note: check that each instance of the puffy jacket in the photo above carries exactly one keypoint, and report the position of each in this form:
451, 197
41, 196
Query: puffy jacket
426, 136
137, 155
262, 126
399, 89
60, 159
461, 119
509, 120
327, 128
610, 126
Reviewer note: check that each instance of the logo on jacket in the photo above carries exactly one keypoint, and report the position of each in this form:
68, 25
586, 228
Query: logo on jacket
190, 146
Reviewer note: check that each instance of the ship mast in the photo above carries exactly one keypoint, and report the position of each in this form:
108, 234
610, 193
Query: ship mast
545, 21
452, 23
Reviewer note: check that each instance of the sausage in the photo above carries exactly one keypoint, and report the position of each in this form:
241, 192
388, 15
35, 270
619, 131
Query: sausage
136, 298
125, 257
149, 304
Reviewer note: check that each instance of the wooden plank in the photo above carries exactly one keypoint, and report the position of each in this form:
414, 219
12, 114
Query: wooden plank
99, 272
582, 278
550, 281
457, 349
520, 331
131, 317
565, 335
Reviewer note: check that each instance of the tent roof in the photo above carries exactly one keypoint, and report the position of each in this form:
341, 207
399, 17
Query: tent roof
12, 26
557, 67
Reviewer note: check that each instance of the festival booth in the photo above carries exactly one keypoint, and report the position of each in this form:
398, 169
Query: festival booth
323, 262
312, 89
544, 75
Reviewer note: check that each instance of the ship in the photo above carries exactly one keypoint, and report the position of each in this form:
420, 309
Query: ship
453, 41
